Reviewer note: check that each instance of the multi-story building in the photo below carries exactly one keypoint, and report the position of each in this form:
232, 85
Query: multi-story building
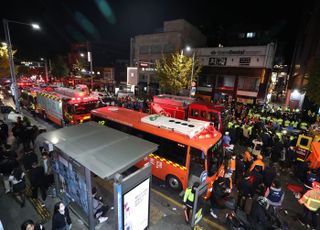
239, 73
147, 48
306, 52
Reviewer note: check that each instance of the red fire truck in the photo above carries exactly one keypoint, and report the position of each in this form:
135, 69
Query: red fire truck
186, 107
65, 106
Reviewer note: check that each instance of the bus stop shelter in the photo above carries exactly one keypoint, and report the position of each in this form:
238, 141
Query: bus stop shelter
81, 149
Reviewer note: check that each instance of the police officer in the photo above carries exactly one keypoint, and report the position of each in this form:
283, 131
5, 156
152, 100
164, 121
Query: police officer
188, 200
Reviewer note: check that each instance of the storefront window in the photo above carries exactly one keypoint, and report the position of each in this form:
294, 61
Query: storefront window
225, 81
248, 84
205, 81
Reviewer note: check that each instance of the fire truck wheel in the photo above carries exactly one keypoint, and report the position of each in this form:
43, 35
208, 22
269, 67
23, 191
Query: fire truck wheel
174, 182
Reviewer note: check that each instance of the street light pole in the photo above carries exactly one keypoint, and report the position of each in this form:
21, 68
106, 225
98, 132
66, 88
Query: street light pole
192, 70
10, 56
11, 65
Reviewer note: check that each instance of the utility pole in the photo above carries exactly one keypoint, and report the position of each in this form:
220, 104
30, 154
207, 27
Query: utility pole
192, 71
11, 65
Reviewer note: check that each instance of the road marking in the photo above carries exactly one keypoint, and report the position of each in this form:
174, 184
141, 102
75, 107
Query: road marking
176, 203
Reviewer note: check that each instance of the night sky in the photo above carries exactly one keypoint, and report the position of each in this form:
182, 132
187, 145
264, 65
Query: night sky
110, 24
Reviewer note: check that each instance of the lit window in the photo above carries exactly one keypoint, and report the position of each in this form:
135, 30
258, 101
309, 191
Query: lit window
251, 34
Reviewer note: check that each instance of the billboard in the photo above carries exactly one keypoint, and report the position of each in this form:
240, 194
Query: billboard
132, 76
136, 207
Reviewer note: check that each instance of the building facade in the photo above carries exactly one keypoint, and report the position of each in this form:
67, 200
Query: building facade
148, 48
235, 73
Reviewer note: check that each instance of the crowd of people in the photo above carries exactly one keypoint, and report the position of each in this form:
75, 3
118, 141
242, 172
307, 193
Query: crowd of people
251, 185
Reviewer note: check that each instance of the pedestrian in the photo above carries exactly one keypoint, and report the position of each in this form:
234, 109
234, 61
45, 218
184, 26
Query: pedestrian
47, 167
7, 165
99, 208
245, 190
217, 197
269, 175
37, 181
30, 225
61, 219
275, 195
311, 202
247, 158
258, 216
258, 163
17, 178
188, 200
4, 132
226, 139
28, 159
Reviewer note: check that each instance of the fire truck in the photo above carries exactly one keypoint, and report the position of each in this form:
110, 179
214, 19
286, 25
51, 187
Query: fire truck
65, 106
185, 108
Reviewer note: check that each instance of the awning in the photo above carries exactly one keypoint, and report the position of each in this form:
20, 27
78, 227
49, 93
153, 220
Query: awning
104, 151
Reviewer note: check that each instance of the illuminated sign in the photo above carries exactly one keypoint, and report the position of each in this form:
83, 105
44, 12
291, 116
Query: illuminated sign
136, 207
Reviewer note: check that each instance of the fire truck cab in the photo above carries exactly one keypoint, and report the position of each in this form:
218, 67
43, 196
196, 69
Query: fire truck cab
65, 106
185, 108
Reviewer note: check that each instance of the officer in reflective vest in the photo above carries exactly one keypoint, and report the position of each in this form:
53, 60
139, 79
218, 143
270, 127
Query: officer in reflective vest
188, 200
286, 123
230, 124
311, 202
295, 124
279, 135
274, 194
280, 121
304, 125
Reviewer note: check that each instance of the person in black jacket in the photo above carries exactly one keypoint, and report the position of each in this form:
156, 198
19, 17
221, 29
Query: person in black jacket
37, 180
61, 219
245, 190
217, 197
28, 159
258, 216
30, 225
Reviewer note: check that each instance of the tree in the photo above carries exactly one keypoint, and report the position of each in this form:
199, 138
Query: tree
174, 72
313, 85
59, 67
79, 65
4, 61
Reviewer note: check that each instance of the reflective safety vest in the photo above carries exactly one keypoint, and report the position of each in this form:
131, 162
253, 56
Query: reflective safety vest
250, 130
236, 126
279, 135
230, 124
32, 106
286, 123
311, 199
188, 197
268, 119
303, 125
295, 124
280, 121
291, 138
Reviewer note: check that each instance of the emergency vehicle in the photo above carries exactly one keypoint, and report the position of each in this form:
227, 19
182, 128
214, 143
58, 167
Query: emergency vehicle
65, 106
186, 107
188, 151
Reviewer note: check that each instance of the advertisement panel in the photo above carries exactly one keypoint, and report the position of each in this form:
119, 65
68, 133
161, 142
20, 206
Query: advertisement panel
136, 207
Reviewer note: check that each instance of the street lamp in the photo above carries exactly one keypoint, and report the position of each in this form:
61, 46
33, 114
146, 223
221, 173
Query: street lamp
11, 62
188, 48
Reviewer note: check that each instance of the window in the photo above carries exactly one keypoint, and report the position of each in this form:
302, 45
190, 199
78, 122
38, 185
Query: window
251, 34
226, 81
194, 112
204, 114
144, 49
248, 84
197, 159
173, 151
205, 81
168, 48
241, 35
215, 158
155, 49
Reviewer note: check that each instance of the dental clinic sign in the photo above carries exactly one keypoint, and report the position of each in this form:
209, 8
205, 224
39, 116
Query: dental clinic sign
246, 56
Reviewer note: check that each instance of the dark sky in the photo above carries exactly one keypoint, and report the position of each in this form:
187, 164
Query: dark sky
110, 24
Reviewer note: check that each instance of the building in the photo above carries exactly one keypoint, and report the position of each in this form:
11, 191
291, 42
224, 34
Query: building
239, 73
306, 51
148, 48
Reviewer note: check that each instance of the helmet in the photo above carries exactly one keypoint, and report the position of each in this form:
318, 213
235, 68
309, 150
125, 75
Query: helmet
315, 184
262, 201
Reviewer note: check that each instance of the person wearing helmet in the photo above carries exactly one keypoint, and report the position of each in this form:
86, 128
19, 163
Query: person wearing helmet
258, 215
311, 202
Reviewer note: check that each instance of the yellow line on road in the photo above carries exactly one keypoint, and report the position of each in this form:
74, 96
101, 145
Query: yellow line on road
176, 203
